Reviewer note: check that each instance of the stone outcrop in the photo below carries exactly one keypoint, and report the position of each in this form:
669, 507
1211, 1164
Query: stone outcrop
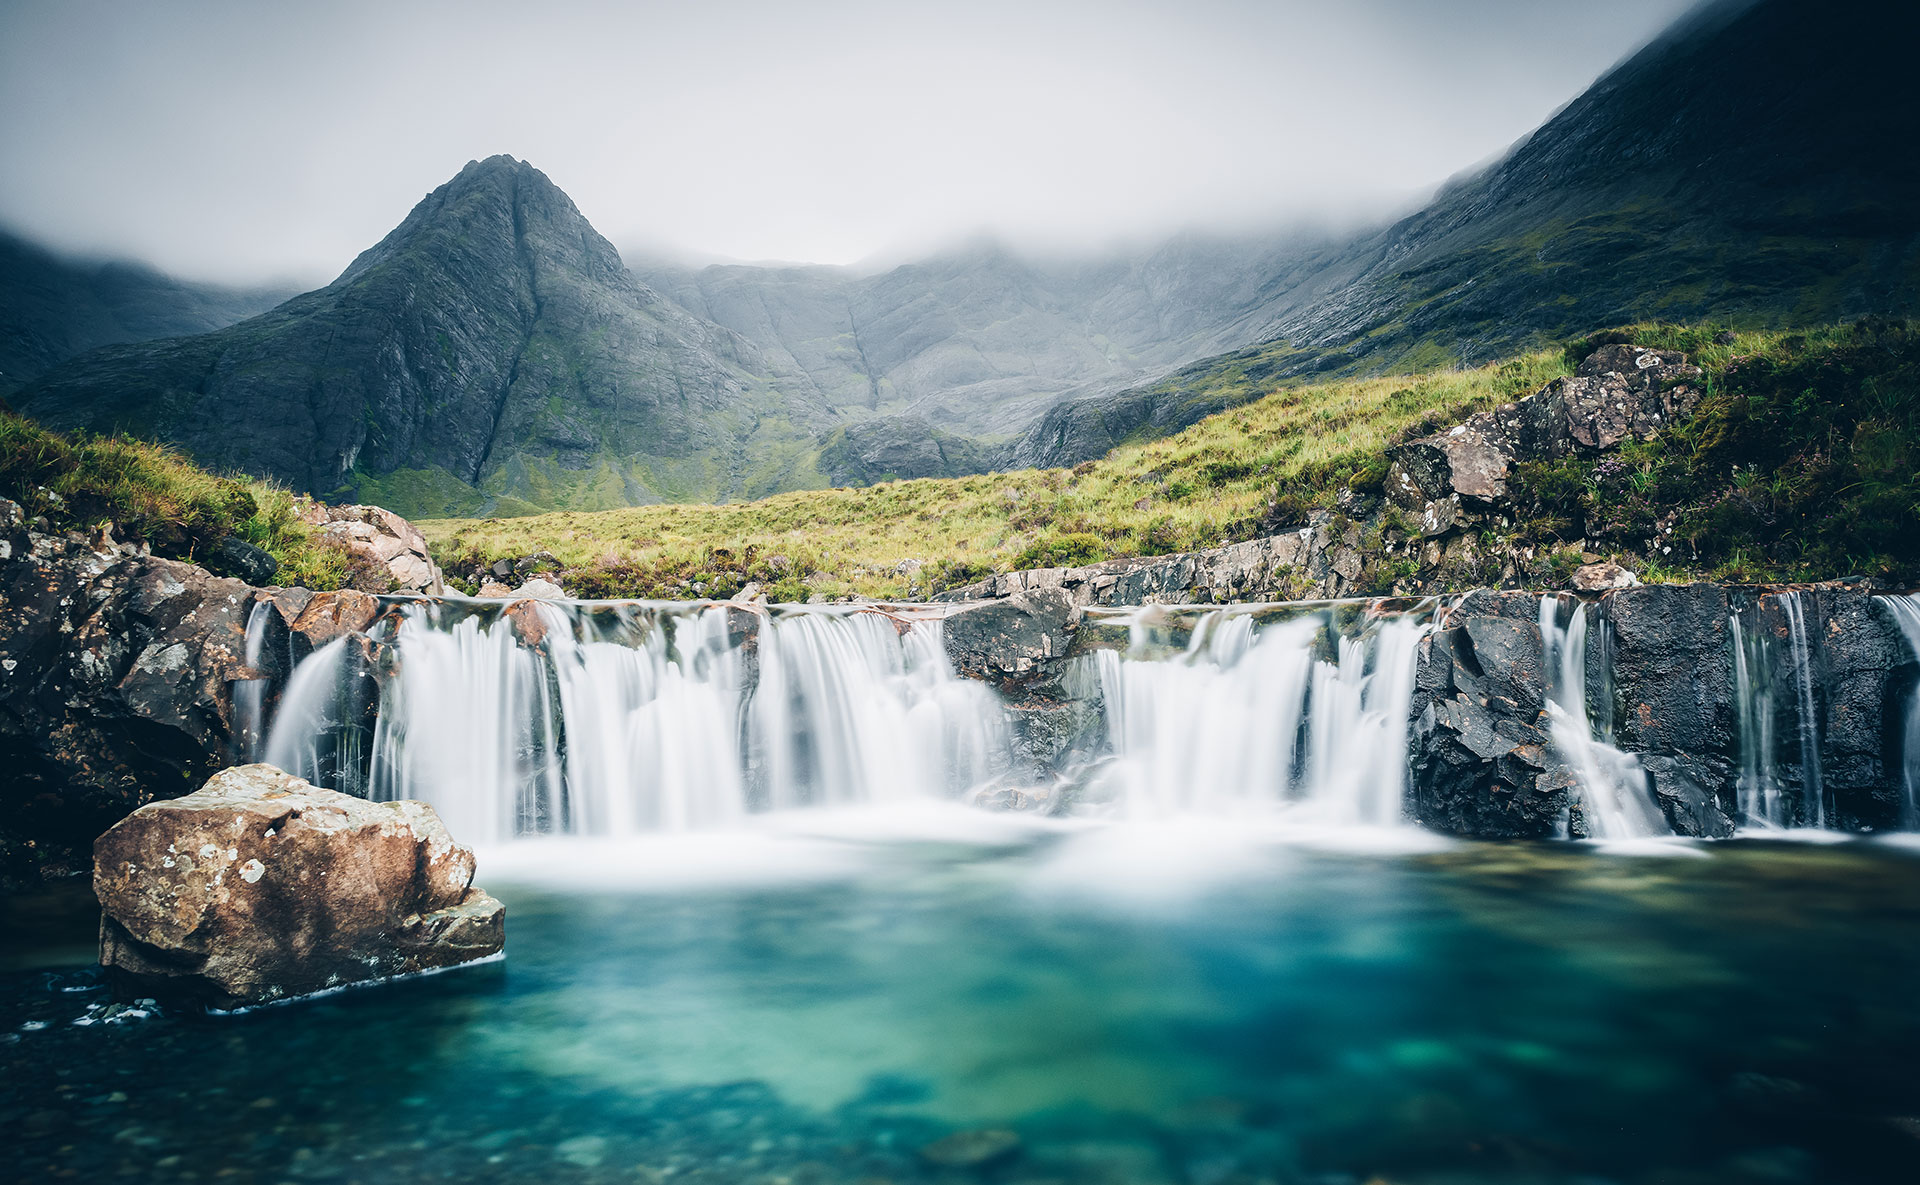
261, 887
1423, 532
116, 668
1661, 678
389, 553
1025, 646
1618, 393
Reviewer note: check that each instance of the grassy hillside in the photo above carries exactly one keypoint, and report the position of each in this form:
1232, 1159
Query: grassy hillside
152, 493
1799, 463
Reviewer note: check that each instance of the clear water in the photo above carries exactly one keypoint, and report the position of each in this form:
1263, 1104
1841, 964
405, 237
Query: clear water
818, 998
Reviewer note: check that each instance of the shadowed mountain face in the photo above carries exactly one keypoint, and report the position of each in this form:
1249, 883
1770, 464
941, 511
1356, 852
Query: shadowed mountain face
53, 309
1754, 164
493, 342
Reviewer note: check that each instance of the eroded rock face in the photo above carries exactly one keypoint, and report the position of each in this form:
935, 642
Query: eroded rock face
260, 887
384, 544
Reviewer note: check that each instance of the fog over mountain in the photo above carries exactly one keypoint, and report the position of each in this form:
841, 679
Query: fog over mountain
246, 143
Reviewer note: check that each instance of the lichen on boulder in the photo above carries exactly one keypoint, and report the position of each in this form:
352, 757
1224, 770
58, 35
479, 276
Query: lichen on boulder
261, 887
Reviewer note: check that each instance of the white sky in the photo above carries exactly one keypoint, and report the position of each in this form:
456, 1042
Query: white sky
248, 141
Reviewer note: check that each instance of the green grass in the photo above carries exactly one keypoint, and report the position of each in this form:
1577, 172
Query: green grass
152, 493
1233, 476
1799, 464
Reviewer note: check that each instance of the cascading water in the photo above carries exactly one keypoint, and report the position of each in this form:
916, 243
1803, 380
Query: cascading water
612, 719
1614, 799
1244, 722
1906, 614
1760, 800
1812, 783
249, 695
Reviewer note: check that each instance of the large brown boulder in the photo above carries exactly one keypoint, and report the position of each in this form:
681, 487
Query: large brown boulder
389, 550
260, 887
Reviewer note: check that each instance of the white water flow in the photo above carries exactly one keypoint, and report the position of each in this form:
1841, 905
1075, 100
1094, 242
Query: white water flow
1244, 722
249, 695
617, 719
1761, 802
1906, 614
1614, 797
309, 716
1812, 784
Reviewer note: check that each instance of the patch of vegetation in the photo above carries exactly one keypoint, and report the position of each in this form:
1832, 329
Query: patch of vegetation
1801, 462
1237, 475
151, 493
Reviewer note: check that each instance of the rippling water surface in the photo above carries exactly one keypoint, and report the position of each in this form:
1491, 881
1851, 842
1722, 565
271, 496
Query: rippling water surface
823, 998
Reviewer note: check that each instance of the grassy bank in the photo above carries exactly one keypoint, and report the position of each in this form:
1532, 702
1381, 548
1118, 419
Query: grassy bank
1798, 464
152, 493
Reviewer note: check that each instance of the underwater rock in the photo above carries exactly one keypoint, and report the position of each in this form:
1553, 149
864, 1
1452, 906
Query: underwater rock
260, 886
972, 1149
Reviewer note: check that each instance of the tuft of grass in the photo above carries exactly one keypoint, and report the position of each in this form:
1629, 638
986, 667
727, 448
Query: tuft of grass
152, 493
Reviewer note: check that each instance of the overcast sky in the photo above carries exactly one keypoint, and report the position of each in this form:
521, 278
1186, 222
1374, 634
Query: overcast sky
246, 141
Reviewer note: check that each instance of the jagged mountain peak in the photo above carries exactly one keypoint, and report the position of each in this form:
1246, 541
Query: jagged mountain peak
495, 203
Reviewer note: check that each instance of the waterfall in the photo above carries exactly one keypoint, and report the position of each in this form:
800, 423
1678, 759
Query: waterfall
249, 695
1812, 788
304, 738
1614, 797
1906, 614
1760, 800
566, 718
1242, 722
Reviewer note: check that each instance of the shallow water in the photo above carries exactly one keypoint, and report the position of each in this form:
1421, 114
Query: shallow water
818, 999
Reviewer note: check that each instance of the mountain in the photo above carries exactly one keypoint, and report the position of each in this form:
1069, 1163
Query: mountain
1753, 165
492, 353
53, 308
982, 340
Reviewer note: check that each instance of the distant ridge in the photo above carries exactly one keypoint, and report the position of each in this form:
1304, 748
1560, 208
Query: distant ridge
1754, 164
53, 308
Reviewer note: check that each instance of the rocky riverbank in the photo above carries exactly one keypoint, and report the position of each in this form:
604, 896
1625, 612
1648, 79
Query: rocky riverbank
118, 673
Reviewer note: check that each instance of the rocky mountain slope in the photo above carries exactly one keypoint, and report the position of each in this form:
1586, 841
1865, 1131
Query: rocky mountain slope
53, 308
1750, 166
492, 351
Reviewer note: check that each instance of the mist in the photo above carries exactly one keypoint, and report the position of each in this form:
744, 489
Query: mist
246, 142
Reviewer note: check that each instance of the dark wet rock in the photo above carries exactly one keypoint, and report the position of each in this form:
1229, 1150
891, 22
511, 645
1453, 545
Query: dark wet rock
972, 1149
1020, 636
1481, 761
260, 887
1688, 793
1671, 668
114, 673
234, 556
